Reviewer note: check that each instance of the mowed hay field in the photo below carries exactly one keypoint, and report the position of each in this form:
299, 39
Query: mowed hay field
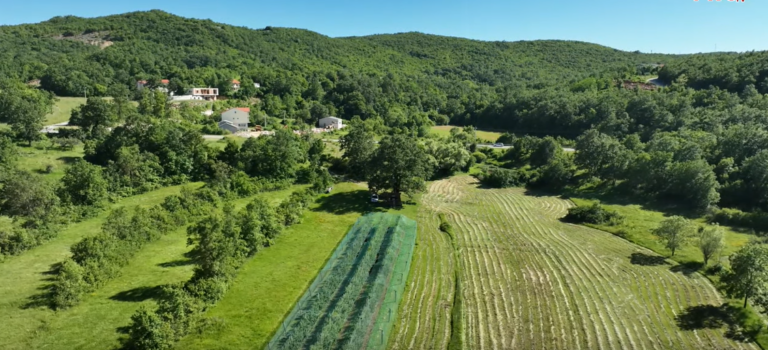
529, 281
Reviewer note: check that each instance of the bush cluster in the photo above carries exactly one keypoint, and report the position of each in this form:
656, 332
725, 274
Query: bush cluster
222, 243
501, 178
593, 214
100, 258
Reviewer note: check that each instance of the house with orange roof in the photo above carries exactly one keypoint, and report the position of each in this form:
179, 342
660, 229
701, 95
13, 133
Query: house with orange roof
235, 119
235, 84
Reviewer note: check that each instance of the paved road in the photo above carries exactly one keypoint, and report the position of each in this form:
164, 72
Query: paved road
213, 137
53, 128
485, 145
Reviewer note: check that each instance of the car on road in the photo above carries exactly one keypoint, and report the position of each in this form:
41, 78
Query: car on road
498, 144
374, 198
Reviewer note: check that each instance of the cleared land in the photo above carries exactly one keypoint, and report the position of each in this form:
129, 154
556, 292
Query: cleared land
270, 284
93, 323
62, 109
36, 159
445, 130
529, 281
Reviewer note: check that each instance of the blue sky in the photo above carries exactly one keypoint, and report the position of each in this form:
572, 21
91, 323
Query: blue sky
668, 26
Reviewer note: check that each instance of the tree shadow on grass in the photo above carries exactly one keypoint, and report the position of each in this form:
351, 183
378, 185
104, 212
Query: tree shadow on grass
703, 317
44, 298
138, 294
688, 268
716, 317
177, 263
68, 160
647, 259
348, 202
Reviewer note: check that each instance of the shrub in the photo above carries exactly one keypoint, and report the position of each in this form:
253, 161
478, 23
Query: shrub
69, 285
593, 214
479, 157
502, 178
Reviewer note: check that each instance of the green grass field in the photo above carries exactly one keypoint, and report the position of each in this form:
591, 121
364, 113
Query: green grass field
445, 130
93, 323
268, 286
35, 159
639, 223
530, 281
63, 109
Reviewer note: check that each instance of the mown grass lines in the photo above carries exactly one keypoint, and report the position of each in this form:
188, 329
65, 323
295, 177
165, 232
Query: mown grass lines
530, 281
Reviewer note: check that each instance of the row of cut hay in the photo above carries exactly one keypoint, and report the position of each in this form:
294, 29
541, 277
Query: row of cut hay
531, 281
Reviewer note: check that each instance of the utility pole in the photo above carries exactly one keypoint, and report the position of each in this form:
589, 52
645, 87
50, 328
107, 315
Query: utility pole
85, 90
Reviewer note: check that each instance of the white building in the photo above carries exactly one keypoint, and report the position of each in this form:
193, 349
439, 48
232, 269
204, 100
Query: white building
206, 93
235, 84
235, 119
331, 123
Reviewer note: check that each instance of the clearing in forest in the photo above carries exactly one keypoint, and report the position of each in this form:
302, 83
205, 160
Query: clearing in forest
529, 281
353, 301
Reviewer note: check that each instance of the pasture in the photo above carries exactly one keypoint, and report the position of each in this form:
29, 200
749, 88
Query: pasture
62, 109
530, 281
93, 323
445, 130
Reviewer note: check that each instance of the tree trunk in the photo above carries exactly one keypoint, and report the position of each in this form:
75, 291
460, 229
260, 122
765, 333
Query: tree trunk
745, 301
673, 251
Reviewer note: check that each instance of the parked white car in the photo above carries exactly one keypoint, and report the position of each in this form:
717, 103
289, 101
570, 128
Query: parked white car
374, 198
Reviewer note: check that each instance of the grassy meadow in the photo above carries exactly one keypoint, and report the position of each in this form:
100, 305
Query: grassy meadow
26, 324
268, 285
445, 130
62, 109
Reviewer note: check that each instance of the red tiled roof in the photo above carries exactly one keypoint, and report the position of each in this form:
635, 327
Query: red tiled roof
165, 81
246, 110
142, 82
235, 81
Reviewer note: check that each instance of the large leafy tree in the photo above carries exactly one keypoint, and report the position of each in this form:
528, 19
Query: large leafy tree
83, 184
95, 116
601, 155
710, 242
25, 110
674, 232
273, 157
27, 195
748, 277
400, 165
358, 146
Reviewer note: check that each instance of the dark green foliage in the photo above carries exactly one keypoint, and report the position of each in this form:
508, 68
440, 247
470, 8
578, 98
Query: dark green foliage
94, 117
133, 171
28, 196
556, 174
24, 108
83, 185
180, 150
593, 214
502, 178
8, 156
272, 157
358, 147
400, 165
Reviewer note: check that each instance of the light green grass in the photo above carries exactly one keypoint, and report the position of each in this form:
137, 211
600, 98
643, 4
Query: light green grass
35, 159
24, 276
640, 222
62, 109
445, 130
268, 285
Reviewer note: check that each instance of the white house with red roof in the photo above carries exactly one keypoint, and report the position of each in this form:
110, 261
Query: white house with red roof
235, 119
235, 84
162, 88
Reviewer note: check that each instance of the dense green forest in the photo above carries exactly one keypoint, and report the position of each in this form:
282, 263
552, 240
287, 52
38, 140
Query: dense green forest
709, 123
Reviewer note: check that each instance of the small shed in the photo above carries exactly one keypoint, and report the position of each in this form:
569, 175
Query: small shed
331, 123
